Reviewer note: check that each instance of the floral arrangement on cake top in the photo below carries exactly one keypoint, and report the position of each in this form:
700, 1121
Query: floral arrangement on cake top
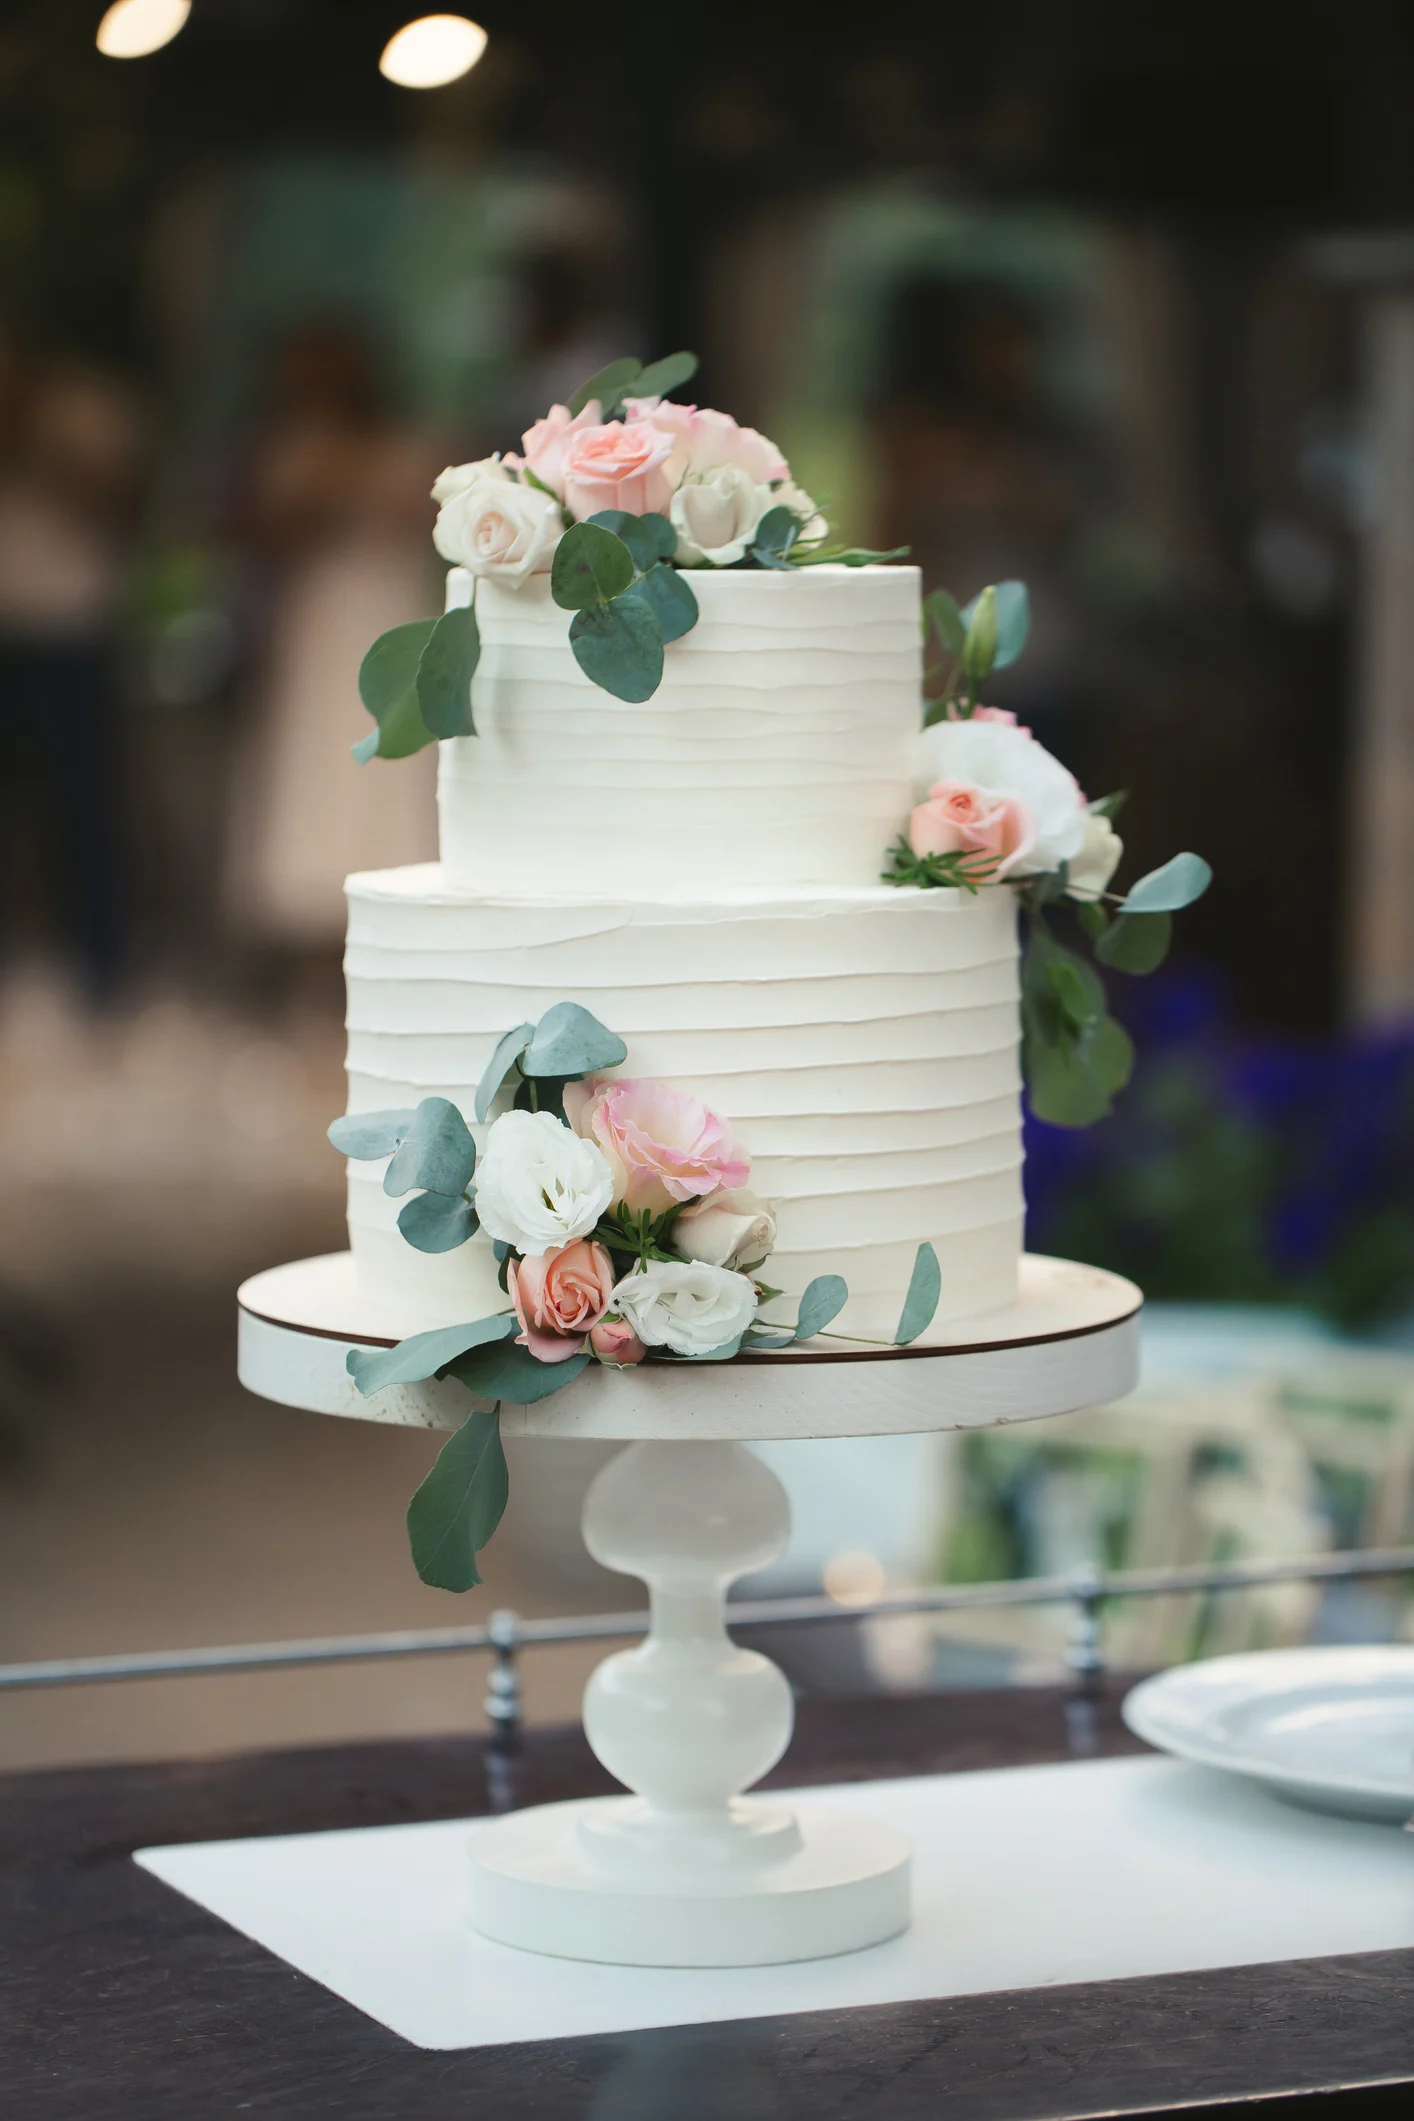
995, 807
624, 1230
615, 496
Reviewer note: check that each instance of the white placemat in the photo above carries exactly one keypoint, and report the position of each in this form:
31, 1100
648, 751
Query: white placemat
1024, 1877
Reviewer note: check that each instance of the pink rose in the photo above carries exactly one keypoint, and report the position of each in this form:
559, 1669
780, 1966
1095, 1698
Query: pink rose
958, 819
708, 439
615, 1342
663, 1147
546, 443
618, 466
560, 1297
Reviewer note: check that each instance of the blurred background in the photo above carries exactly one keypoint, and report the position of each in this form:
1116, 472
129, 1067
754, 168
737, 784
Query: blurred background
1118, 300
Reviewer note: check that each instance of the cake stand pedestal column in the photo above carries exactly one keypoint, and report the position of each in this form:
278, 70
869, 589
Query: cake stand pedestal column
688, 1872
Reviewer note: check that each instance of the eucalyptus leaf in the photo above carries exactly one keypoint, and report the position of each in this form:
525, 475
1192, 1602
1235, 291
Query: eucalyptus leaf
776, 532
1167, 890
459, 1505
433, 1222
508, 1051
387, 685
367, 747
824, 1299
724, 1353
590, 566
1092, 917
1109, 806
670, 598
1136, 942
661, 378
619, 646
813, 555
649, 538
438, 1152
919, 1305
423, 1355
568, 1042
1078, 1007
445, 673
367, 1135
1072, 1085
608, 384
505, 1370
1013, 622
753, 1338
947, 622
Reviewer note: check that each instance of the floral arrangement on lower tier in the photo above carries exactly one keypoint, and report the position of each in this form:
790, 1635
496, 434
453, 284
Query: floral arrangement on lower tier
624, 1229
996, 808
612, 495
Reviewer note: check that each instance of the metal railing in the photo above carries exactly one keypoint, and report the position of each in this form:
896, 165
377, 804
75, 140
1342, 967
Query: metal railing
1087, 1590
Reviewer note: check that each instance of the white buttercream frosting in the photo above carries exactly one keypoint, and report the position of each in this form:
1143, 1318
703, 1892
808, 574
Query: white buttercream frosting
862, 1042
777, 751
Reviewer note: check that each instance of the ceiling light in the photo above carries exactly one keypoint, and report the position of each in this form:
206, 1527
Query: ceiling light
133, 28
432, 51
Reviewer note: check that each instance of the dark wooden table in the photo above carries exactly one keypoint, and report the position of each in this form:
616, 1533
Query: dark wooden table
118, 1998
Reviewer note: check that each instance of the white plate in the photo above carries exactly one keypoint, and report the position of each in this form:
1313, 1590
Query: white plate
1330, 1728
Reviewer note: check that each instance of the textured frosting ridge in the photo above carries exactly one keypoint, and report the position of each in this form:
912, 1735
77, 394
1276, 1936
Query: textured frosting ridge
863, 1043
775, 752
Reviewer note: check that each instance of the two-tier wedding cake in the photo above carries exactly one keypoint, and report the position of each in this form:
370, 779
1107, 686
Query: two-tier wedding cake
704, 1038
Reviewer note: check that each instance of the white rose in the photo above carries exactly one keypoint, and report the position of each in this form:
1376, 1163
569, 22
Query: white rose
715, 514
728, 1229
537, 1185
491, 524
1098, 859
686, 1305
998, 759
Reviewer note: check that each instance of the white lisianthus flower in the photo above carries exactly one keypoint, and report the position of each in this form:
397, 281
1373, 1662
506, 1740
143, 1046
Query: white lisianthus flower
1091, 869
686, 1305
727, 1229
715, 514
1003, 762
537, 1185
492, 524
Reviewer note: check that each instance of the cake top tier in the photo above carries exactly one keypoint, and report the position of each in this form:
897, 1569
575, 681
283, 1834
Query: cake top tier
776, 750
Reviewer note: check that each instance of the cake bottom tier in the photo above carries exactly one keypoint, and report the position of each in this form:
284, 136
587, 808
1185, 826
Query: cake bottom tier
862, 1043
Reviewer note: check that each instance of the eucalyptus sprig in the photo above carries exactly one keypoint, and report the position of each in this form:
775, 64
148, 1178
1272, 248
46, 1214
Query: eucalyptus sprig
983, 636
628, 603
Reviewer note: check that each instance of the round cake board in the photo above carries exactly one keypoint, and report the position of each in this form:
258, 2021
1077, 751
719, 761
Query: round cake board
1070, 1340
690, 1872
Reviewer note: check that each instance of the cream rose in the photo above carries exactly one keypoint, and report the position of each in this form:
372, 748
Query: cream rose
1091, 869
490, 523
538, 1186
686, 1305
715, 514
1002, 763
729, 1229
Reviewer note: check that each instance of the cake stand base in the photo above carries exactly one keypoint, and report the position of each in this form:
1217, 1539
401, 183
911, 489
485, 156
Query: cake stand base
540, 1880
688, 1871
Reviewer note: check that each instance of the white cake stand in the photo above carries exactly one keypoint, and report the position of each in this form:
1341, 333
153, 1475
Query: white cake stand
688, 1872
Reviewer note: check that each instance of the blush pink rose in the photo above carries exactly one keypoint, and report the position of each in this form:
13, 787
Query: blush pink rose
663, 1147
958, 819
706, 440
560, 1298
546, 443
623, 465
615, 1342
